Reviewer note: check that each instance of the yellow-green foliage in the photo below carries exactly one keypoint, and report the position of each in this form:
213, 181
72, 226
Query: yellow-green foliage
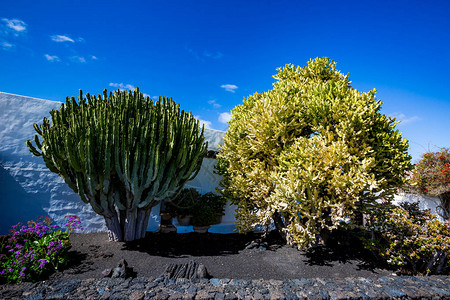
414, 240
310, 149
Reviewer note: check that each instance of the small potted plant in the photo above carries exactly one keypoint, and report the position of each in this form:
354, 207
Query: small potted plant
182, 206
203, 218
216, 203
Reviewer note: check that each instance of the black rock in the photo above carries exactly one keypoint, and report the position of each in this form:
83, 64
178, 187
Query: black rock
121, 271
191, 270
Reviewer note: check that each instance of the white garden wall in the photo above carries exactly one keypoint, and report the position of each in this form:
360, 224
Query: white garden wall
28, 189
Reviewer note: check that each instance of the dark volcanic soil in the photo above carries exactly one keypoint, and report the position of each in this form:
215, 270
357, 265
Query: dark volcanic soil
224, 256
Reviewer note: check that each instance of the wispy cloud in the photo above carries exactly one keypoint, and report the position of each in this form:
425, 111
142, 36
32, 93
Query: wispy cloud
52, 58
61, 38
224, 117
6, 45
215, 55
203, 122
214, 103
229, 87
78, 59
15, 26
94, 57
204, 55
122, 86
404, 119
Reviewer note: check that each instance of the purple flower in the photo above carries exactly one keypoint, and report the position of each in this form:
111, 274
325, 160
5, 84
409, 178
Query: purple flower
42, 263
2, 272
55, 245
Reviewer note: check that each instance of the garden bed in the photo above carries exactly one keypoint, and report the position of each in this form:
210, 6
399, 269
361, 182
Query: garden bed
224, 256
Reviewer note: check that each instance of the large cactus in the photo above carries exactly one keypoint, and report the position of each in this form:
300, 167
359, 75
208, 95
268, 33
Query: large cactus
122, 154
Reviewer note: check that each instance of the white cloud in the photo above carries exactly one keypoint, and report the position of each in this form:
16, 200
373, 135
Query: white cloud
155, 97
405, 120
214, 103
204, 55
52, 58
224, 117
94, 57
15, 24
216, 55
6, 45
203, 122
61, 38
229, 87
78, 59
122, 86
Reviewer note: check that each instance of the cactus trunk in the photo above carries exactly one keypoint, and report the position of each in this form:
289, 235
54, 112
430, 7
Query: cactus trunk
114, 229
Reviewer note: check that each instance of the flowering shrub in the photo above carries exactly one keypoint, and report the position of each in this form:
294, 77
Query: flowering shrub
30, 252
412, 239
432, 176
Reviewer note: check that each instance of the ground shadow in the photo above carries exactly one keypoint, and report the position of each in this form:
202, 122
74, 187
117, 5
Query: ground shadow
344, 246
192, 244
197, 244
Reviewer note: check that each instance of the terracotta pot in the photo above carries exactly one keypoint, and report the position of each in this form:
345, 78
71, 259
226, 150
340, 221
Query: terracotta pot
201, 229
167, 228
219, 218
184, 220
165, 216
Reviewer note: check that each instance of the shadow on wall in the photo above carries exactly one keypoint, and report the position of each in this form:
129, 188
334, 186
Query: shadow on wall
29, 208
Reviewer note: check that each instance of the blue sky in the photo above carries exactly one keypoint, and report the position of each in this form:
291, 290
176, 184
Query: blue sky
209, 55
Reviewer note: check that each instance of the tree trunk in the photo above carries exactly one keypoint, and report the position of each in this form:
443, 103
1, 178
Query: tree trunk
142, 222
115, 233
130, 225
280, 225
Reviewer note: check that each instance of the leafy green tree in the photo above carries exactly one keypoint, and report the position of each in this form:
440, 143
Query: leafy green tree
122, 154
431, 176
309, 153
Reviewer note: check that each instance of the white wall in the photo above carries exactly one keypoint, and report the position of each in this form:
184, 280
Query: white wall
28, 189
425, 202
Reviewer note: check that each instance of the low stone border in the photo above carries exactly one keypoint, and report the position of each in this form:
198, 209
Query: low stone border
401, 287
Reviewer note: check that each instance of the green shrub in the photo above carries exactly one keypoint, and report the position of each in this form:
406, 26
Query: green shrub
31, 252
184, 203
204, 216
203, 208
214, 201
411, 239
309, 153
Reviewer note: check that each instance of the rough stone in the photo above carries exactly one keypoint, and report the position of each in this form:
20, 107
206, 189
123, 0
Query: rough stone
190, 270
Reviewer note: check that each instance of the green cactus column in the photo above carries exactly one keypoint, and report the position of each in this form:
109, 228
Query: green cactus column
122, 154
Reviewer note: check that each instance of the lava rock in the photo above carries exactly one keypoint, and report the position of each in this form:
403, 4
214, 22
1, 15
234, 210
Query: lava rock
121, 271
191, 270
